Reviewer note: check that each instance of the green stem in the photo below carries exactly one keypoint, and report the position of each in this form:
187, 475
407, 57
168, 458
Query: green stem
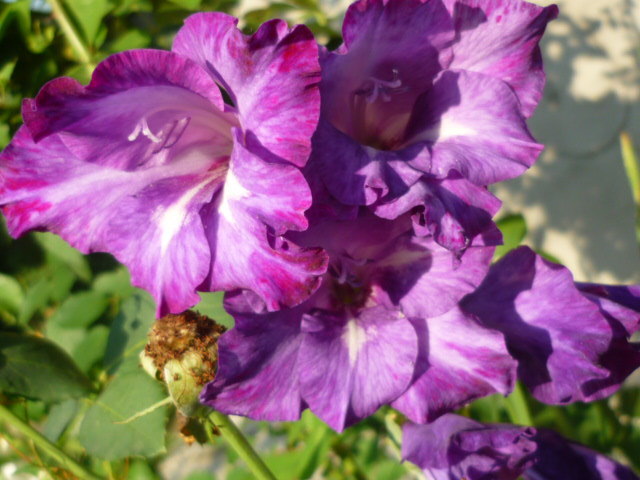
70, 33
518, 407
45, 445
239, 443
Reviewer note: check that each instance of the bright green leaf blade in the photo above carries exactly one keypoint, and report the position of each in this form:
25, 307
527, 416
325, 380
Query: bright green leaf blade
632, 169
514, 229
126, 395
37, 368
80, 310
11, 296
88, 14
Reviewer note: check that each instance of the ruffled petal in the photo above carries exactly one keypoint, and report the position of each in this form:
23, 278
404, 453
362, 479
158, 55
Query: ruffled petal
459, 361
500, 38
244, 227
458, 448
351, 367
258, 369
475, 125
143, 108
567, 348
427, 280
453, 210
144, 218
271, 77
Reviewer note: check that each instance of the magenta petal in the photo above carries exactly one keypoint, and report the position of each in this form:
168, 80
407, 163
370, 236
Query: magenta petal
144, 218
476, 127
245, 227
351, 367
459, 361
258, 368
567, 348
271, 76
500, 38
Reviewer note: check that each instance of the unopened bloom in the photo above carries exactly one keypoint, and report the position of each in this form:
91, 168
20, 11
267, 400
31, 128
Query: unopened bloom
425, 104
148, 162
458, 448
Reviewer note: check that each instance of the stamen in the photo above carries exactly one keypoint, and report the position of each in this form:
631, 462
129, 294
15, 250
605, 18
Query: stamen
143, 127
375, 88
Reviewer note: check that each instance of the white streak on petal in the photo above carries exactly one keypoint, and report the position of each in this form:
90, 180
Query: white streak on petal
233, 190
354, 337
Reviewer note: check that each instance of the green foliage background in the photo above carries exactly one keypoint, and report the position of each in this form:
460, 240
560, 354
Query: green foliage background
71, 326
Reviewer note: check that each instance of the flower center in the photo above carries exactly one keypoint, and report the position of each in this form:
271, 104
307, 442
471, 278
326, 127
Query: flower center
379, 114
347, 289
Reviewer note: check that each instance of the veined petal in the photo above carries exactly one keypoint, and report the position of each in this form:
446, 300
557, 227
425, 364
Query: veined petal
258, 369
351, 367
500, 38
475, 125
567, 348
458, 362
245, 227
146, 219
271, 76
141, 109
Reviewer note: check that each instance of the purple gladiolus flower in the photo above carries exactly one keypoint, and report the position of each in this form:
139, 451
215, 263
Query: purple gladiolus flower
458, 448
388, 300
425, 104
149, 163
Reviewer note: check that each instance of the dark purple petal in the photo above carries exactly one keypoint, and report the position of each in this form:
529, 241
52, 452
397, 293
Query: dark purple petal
618, 302
458, 448
351, 367
475, 125
567, 348
271, 76
560, 459
459, 361
453, 210
258, 369
143, 218
500, 38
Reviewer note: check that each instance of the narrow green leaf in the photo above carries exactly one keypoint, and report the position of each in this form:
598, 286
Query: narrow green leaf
37, 368
11, 295
632, 169
126, 395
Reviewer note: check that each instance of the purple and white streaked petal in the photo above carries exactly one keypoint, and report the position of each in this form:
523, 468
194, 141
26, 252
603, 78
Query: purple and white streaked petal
620, 302
475, 126
143, 218
258, 369
500, 38
350, 367
245, 227
567, 348
271, 76
458, 362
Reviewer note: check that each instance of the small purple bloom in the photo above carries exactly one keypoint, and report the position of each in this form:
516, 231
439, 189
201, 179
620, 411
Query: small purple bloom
426, 91
458, 448
149, 163
385, 313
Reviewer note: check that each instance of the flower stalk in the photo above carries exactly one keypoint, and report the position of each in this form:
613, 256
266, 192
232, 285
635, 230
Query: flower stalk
65, 461
239, 443
70, 34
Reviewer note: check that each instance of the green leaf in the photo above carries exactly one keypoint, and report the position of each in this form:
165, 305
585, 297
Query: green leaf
56, 247
211, 306
91, 348
116, 282
130, 39
37, 297
125, 396
37, 368
59, 417
140, 470
80, 310
513, 228
187, 4
88, 14
11, 296
128, 334
18, 12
